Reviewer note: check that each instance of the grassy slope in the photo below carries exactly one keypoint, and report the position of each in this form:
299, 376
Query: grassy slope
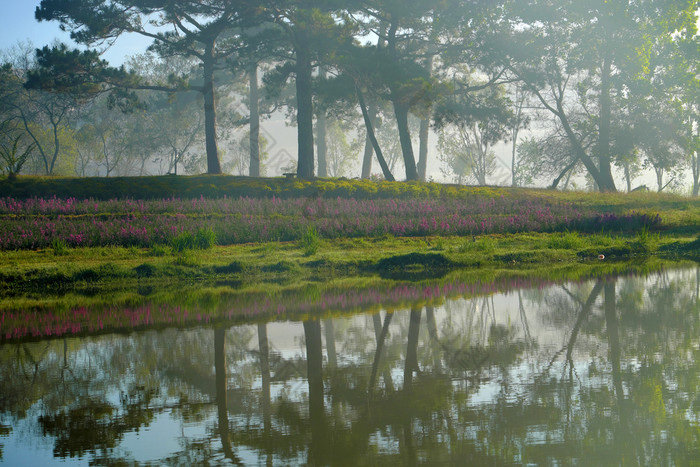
26, 274
677, 211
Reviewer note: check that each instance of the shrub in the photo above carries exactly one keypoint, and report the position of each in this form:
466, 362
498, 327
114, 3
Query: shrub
645, 242
310, 241
204, 239
184, 241
159, 250
59, 246
145, 270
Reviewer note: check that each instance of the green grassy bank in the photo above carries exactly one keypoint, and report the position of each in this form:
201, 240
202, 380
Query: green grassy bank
679, 212
33, 278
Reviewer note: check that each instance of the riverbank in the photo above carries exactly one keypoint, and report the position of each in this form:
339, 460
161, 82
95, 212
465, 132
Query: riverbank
292, 231
35, 279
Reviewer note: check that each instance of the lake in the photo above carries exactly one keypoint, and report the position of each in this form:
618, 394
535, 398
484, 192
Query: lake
604, 371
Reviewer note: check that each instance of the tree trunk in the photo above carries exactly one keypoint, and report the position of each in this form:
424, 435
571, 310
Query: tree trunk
373, 138
434, 340
424, 132
563, 173
695, 161
606, 182
264, 349
423, 135
56, 146
409, 160
253, 102
519, 103
582, 316
367, 158
321, 145
580, 151
615, 352
213, 163
45, 160
659, 179
369, 149
401, 109
305, 113
513, 170
314, 360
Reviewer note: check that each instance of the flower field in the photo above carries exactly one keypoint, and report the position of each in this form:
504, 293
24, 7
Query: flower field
38, 222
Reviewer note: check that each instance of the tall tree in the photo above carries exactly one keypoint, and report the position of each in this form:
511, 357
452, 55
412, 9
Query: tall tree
203, 30
314, 30
584, 58
471, 124
45, 117
410, 37
406, 81
686, 81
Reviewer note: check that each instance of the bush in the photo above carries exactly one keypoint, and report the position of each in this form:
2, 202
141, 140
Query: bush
645, 242
60, 247
184, 241
310, 241
159, 250
204, 239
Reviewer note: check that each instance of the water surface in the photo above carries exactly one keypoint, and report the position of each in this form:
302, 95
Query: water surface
600, 372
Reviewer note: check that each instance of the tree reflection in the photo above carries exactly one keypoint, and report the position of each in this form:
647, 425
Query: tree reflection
222, 393
97, 425
317, 415
600, 372
381, 332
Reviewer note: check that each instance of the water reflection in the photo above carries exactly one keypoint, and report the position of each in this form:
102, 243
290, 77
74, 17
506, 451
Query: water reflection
601, 372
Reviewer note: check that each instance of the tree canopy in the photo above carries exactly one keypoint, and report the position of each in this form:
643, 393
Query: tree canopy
614, 83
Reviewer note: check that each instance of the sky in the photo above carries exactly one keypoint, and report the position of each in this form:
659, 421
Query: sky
17, 24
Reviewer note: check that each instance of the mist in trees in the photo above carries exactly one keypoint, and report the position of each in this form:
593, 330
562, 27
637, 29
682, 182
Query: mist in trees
563, 94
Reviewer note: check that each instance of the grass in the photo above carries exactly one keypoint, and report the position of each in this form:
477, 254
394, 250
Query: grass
60, 271
566, 241
203, 239
42, 270
154, 304
60, 247
678, 212
484, 244
310, 241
